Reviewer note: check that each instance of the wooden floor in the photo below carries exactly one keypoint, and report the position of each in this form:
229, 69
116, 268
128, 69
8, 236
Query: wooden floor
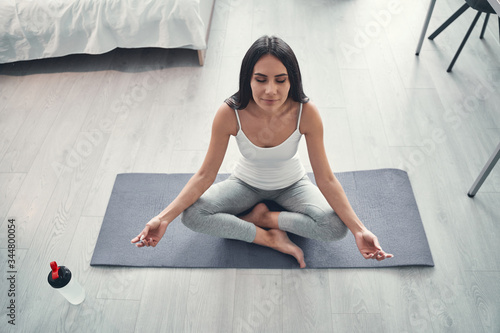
69, 125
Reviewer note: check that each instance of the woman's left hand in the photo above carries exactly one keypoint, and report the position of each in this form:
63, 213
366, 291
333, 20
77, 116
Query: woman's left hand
369, 246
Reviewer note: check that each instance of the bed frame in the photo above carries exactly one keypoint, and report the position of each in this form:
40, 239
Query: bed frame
206, 12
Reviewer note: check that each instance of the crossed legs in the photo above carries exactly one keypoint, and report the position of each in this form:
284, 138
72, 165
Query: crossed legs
308, 215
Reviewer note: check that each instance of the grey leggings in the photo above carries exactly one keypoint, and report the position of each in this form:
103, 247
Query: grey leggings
308, 213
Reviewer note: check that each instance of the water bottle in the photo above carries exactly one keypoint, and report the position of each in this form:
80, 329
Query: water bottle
60, 278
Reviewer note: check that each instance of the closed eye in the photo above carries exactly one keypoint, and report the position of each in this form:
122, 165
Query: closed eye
262, 81
280, 78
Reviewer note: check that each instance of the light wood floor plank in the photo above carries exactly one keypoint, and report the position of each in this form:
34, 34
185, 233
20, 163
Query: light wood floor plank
322, 56
338, 140
360, 322
260, 308
354, 291
484, 289
8, 85
240, 15
36, 126
478, 236
403, 306
398, 115
451, 308
155, 152
210, 301
367, 130
17, 110
121, 150
163, 302
306, 301
227, 83
10, 183
114, 98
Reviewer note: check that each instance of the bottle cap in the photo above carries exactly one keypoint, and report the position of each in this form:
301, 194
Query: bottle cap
59, 276
55, 270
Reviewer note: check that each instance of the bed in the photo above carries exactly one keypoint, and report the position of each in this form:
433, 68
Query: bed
35, 29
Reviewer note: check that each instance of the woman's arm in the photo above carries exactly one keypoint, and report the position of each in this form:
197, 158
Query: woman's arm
312, 128
222, 128
224, 125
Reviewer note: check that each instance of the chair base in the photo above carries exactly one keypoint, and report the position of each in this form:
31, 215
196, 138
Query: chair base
459, 12
449, 21
476, 18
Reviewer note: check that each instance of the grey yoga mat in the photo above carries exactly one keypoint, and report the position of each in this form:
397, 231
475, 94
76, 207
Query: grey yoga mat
383, 199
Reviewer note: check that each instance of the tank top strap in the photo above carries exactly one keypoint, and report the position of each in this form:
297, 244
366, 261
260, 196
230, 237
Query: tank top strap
300, 115
238, 118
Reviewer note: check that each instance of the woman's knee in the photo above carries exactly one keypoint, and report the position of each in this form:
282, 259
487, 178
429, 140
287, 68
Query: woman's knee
336, 231
192, 217
332, 228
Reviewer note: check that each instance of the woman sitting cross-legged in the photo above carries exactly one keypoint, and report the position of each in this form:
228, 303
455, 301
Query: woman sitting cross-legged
267, 116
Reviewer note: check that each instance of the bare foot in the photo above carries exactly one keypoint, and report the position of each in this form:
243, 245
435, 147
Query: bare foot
261, 216
280, 242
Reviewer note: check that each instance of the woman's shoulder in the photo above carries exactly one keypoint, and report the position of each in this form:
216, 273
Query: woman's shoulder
310, 119
225, 120
225, 108
309, 106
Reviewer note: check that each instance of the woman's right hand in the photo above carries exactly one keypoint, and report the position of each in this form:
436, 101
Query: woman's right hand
151, 234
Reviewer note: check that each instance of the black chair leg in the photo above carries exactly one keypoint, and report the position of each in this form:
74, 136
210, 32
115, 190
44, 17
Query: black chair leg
464, 41
449, 21
484, 25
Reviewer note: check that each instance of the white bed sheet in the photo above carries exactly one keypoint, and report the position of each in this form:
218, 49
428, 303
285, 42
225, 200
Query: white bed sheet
34, 29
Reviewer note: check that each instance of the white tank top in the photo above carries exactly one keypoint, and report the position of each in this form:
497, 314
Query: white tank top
270, 168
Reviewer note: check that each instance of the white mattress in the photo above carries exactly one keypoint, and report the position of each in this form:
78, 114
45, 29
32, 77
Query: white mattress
34, 29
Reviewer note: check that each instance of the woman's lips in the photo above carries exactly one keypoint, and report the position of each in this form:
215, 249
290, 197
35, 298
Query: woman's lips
269, 101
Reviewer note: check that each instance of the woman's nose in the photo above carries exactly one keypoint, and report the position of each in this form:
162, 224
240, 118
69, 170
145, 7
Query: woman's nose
270, 88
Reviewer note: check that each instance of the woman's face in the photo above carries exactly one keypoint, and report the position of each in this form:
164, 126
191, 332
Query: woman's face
270, 84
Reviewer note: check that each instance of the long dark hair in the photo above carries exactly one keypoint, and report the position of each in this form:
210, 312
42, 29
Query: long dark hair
277, 47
